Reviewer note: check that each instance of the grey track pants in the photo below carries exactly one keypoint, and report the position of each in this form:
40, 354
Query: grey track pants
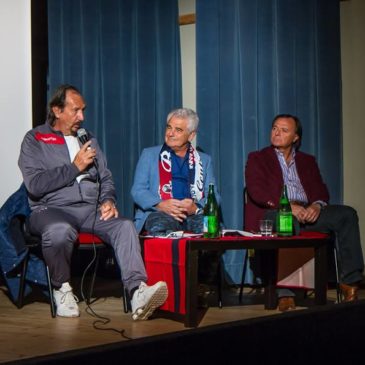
59, 227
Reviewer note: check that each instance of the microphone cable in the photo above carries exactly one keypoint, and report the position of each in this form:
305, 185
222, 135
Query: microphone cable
101, 320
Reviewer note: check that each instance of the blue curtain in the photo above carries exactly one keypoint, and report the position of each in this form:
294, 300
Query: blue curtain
124, 56
256, 59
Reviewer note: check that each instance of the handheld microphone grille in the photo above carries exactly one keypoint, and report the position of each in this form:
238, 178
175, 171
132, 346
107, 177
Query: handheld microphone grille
82, 135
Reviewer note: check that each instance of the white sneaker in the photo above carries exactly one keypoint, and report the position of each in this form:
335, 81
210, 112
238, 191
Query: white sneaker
66, 301
147, 298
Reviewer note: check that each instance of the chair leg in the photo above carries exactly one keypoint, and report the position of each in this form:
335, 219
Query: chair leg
22, 281
92, 283
338, 290
125, 299
219, 282
244, 270
22, 286
50, 291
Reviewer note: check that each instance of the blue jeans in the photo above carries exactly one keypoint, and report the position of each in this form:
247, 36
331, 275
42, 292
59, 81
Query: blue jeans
159, 222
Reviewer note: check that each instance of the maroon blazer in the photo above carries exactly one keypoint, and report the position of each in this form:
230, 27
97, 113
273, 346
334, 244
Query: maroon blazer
264, 183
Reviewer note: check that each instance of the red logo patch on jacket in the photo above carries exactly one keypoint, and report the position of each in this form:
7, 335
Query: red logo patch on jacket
49, 138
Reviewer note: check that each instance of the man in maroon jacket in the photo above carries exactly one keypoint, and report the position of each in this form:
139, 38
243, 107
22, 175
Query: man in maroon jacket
282, 163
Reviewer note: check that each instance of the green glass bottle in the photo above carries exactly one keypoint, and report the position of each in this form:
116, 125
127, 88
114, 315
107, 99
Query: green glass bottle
211, 219
284, 223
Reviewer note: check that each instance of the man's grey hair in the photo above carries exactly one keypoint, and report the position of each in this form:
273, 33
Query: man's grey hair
188, 114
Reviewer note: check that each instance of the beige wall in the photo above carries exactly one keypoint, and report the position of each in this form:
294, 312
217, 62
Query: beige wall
188, 59
353, 105
15, 91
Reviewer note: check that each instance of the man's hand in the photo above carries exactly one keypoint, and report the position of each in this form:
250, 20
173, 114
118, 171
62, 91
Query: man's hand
299, 212
189, 206
306, 215
85, 156
178, 209
108, 210
313, 212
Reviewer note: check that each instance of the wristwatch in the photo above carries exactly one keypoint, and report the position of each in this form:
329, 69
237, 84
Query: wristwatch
321, 203
199, 210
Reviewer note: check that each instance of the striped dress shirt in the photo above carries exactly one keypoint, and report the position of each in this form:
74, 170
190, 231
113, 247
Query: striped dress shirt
291, 178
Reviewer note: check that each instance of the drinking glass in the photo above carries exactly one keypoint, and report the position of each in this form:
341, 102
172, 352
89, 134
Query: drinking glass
266, 227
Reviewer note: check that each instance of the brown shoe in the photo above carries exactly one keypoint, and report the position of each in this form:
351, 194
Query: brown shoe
349, 292
286, 304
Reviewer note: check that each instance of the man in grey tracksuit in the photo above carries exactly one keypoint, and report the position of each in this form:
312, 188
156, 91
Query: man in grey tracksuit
70, 190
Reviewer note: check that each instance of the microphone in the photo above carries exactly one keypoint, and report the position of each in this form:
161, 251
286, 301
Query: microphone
83, 137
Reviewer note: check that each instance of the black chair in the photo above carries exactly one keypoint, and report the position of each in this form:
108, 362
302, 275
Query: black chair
15, 258
34, 247
85, 241
249, 255
336, 266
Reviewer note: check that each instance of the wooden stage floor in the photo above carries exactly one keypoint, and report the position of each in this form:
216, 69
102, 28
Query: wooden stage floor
31, 331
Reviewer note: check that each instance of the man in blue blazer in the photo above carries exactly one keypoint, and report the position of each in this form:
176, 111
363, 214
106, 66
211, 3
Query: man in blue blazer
171, 180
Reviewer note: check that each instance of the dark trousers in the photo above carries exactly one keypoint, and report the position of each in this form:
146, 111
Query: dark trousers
341, 221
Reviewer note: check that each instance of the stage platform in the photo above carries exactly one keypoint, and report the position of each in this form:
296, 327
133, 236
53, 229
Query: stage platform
245, 332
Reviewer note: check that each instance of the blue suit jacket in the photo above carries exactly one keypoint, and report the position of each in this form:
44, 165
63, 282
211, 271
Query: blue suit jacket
146, 183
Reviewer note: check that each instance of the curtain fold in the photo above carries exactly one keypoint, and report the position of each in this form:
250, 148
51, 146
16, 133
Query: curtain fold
124, 57
259, 58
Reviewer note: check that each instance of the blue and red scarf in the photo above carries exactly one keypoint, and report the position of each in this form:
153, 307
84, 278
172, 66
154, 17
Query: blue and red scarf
196, 182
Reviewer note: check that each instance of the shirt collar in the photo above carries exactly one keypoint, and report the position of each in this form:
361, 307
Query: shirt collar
174, 154
281, 155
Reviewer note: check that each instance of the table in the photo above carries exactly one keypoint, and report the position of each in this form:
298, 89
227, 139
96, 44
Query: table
268, 247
